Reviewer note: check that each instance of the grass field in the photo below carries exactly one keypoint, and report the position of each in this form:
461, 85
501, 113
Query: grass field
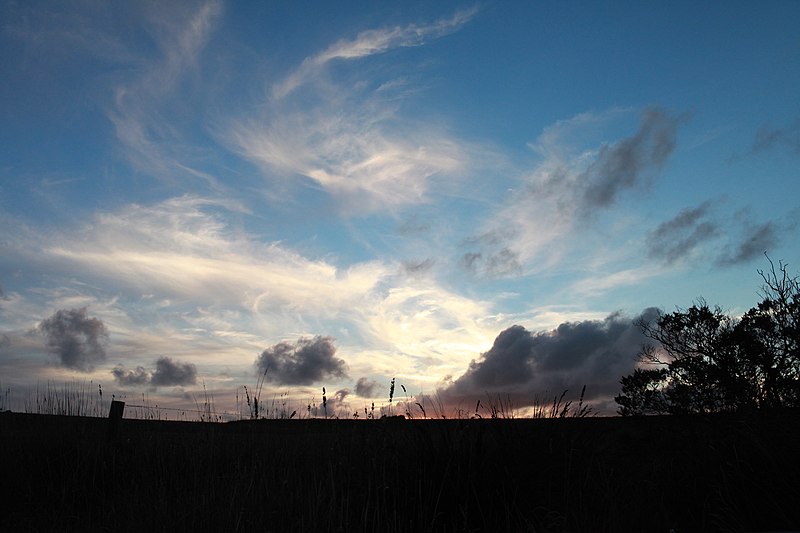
723, 473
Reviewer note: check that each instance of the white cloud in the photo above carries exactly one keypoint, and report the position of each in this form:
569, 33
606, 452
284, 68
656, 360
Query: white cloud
598, 282
178, 250
222, 292
371, 42
365, 161
352, 138
425, 321
143, 109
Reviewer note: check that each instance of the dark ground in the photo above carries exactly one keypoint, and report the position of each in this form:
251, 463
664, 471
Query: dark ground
700, 473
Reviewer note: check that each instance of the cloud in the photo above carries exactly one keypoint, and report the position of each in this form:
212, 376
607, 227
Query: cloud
214, 287
694, 232
75, 338
768, 138
127, 378
497, 262
351, 138
507, 363
627, 163
366, 159
168, 372
418, 267
371, 42
142, 110
365, 388
471, 260
337, 405
424, 328
305, 362
572, 184
522, 364
756, 240
678, 237
183, 249
498, 257
597, 282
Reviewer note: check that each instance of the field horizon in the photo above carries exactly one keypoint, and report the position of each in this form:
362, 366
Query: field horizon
688, 473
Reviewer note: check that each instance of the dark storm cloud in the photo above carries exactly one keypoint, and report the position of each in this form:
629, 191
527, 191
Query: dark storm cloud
127, 378
754, 243
678, 237
365, 388
595, 353
506, 363
75, 338
627, 163
303, 363
770, 138
168, 372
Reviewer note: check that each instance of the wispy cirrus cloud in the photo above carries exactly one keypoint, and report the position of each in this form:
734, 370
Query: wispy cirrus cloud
143, 110
179, 249
352, 138
365, 160
371, 42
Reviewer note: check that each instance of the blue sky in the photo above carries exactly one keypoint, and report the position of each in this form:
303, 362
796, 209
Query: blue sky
193, 193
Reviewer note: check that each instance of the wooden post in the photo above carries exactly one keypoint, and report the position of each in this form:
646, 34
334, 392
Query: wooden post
115, 417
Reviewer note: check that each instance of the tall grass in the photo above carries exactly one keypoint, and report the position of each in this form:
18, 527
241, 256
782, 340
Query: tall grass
561, 408
4, 399
77, 398
81, 398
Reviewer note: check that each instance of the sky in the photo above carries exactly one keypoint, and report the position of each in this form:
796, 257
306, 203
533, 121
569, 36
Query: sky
476, 199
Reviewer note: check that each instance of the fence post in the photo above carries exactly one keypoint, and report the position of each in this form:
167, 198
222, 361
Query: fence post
115, 417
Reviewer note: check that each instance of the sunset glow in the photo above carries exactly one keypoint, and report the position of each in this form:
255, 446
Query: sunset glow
474, 199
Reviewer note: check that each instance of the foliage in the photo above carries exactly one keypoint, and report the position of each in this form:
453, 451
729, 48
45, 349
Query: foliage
706, 361
642, 391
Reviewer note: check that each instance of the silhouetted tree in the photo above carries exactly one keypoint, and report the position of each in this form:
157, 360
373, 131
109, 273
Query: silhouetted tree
706, 361
642, 393
769, 337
